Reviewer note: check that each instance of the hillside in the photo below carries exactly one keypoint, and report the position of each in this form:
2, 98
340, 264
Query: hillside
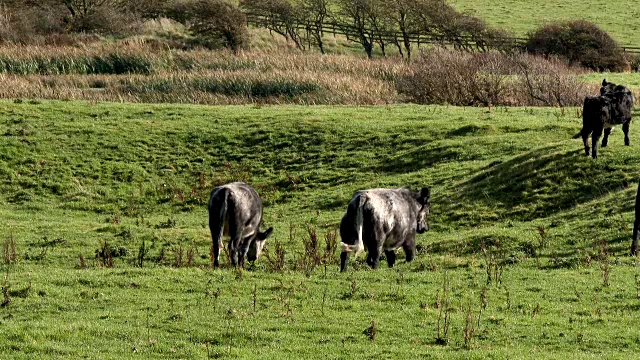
618, 18
77, 175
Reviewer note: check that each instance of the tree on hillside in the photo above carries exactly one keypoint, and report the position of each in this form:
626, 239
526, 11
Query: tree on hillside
222, 23
355, 14
314, 13
381, 21
445, 24
278, 16
400, 11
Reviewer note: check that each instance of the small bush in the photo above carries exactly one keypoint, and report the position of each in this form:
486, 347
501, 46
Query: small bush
217, 23
442, 76
105, 20
580, 42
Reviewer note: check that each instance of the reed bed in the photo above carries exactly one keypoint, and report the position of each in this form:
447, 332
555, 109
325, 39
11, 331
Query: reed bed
142, 72
145, 74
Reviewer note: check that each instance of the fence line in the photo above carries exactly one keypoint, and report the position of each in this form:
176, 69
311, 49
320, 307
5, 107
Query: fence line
467, 41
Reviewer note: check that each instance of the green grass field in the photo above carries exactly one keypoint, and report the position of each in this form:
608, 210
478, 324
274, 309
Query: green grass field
619, 18
513, 195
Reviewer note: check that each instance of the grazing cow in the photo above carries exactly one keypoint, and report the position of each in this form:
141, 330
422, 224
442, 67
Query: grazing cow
636, 225
383, 219
601, 113
236, 210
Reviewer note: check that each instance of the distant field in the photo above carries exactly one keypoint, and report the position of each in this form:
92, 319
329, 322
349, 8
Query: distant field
620, 18
74, 175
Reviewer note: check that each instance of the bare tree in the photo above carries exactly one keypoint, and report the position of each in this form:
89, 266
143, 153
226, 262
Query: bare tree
314, 13
355, 14
83, 7
278, 16
380, 20
400, 11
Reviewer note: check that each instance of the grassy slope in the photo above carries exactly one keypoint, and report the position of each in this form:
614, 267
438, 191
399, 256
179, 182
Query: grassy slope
619, 18
77, 174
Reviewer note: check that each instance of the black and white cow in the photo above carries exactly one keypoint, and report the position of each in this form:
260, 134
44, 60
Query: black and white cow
236, 210
383, 220
601, 113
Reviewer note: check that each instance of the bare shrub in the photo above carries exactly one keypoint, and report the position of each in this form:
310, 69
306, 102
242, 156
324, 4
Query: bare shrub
442, 76
548, 82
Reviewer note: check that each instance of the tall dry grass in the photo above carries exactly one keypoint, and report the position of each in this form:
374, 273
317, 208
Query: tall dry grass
144, 72
138, 73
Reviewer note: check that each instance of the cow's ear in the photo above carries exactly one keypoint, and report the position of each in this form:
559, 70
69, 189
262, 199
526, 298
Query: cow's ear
265, 235
604, 82
425, 195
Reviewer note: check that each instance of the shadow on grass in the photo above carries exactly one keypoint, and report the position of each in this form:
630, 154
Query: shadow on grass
543, 181
421, 158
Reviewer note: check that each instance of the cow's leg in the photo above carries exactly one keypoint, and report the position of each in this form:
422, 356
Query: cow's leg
343, 261
216, 254
625, 129
244, 249
235, 234
373, 257
409, 248
391, 257
595, 137
216, 238
634, 243
605, 139
585, 139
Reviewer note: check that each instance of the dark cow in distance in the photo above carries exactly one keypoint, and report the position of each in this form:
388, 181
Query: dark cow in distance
236, 210
383, 220
601, 113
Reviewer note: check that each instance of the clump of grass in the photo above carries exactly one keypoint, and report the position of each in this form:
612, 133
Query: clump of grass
9, 253
275, 261
444, 316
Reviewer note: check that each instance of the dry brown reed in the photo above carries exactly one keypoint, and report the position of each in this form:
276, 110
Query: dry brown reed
143, 72
138, 73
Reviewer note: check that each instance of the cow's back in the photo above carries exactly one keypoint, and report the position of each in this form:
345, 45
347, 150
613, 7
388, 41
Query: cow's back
244, 206
391, 213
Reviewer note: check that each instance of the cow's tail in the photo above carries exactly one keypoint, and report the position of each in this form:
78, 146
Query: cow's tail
359, 245
217, 215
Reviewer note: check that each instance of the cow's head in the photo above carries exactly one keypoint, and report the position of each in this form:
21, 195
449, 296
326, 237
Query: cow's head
424, 202
607, 87
255, 249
